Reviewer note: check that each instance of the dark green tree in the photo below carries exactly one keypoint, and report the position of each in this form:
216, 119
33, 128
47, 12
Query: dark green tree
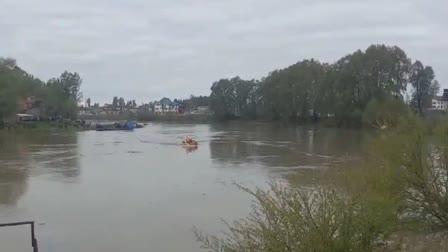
222, 99
424, 86
310, 89
115, 102
121, 102
57, 97
71, 84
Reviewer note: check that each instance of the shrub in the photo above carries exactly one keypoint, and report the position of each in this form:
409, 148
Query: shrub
385, 113
425, 162
410, 167
288, 219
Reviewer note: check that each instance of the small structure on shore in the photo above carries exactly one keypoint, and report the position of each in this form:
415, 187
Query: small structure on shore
25, 117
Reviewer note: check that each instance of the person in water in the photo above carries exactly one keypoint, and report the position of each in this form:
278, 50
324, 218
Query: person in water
188, 140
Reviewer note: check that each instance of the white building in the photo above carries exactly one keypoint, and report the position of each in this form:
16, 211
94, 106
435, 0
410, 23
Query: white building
158, 108
172, 108
438, 104
165, 106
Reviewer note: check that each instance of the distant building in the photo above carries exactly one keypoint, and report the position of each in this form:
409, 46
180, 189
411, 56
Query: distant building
437, 103
199, 110
25, 117
82, 111
133, 111
158, 108
440, 102
165, 106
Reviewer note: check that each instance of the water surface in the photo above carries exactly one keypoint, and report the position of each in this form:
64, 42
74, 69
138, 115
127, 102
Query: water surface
141, 190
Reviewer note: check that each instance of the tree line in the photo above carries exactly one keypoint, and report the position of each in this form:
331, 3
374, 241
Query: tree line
58, 97
342, 90
121, 103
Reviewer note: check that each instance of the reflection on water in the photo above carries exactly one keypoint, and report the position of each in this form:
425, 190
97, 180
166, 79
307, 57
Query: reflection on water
280, 147
42, 153
143, 190
190, 149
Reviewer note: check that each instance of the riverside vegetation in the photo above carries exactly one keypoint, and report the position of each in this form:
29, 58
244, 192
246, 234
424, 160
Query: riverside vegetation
342, 90
339, 92
58, 97
399, 191
401, 186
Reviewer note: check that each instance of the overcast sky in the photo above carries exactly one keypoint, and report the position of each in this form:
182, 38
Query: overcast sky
146, 49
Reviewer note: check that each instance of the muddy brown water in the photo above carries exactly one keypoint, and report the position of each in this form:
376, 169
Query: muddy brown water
141, 190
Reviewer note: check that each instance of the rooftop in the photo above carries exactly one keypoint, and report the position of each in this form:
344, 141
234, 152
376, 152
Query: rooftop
445, 95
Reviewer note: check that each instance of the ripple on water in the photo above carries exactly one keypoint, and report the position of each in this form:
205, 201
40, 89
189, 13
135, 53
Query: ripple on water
135, 152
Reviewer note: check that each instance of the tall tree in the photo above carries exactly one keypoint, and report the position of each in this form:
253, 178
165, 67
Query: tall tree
121, 102
57, 97
342, 89
88, 102
8, 103
71, 83
424, 86
222, 98
8, 62
115, 102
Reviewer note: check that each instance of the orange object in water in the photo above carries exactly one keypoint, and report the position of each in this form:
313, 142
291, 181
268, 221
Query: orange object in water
189, 141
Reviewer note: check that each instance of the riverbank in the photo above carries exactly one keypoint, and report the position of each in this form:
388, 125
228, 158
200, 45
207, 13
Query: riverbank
41, 126
149, 117
394, 200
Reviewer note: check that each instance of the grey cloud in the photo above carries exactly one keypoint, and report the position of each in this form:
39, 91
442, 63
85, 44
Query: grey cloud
149, 49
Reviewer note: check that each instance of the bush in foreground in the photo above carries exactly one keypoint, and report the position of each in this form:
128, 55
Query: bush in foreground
403, 184
288, 219
425, 162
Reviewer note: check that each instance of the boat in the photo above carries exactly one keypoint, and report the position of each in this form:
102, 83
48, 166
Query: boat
192, 144
189, 142
128, 126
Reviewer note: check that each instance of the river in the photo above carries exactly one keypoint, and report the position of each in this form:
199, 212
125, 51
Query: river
141, 190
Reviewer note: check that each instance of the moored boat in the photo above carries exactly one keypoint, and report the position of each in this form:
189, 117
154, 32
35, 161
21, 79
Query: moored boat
128, 125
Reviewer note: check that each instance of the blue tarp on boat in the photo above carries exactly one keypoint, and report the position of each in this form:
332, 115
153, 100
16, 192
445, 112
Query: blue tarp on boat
128, 125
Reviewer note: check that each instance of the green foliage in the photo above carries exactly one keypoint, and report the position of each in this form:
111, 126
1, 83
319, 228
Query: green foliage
422, 80
409, 167
310, 89
71, 85
288, 219
402, 183
385, 114
8, 100
233, 98
194, 102
59, 95
426, 165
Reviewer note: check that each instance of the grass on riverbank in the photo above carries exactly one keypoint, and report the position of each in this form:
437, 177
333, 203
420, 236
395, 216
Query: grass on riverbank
399, 192
33, 127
